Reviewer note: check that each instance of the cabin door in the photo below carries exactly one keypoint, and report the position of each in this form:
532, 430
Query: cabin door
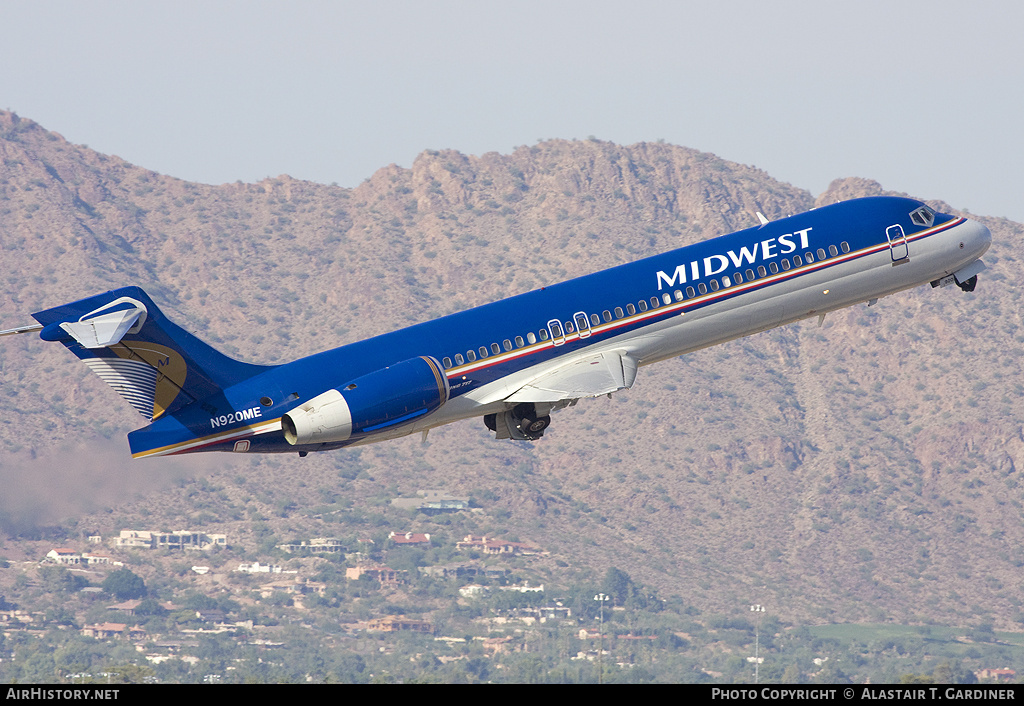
897, 244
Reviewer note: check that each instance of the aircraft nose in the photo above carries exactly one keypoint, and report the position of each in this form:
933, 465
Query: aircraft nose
976, 238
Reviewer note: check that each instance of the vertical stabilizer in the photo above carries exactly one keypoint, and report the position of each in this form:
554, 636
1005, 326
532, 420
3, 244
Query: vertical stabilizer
157, 366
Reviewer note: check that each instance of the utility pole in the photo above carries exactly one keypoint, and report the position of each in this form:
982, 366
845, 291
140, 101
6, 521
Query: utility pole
600, 641
759, 609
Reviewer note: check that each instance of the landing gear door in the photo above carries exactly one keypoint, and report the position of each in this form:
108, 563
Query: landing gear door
897, 244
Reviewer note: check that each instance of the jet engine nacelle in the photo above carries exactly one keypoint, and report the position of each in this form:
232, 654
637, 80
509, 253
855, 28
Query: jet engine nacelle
390, 397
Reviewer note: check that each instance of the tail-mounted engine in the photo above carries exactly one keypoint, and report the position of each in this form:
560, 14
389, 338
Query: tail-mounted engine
393, 396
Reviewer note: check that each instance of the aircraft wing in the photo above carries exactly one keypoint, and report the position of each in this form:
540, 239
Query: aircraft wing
593, 376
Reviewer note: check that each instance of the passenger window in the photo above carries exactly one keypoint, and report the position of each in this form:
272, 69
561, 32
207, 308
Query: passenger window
679, 295
447, 362
821, 253
569, 327
774, 267
737, 277
833, 250
607, 315
507, 344
666, 298
618, 312
726, 282
797, 262
459, 360
595, 320
643, 305
471, 356
556, 329
690, 293
750, 275
543, 334
845, 246
519, 341
761, 272
809, 257
714, 285
702, 288
630, 309
530, 338
785, 263
495, 349
483, 351
655, 303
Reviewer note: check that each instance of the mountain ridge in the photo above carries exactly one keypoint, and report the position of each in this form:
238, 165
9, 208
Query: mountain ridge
863, 470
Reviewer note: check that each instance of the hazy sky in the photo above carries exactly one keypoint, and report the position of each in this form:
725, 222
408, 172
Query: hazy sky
925, 97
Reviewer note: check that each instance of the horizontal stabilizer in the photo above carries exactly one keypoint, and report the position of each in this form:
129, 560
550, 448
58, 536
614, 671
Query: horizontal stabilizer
21, 329
108, 324
590, 377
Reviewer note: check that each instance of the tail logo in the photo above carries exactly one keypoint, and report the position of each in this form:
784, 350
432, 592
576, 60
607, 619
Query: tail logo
148, 375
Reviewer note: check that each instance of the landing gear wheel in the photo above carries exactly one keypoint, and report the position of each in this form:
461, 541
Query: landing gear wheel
535, 427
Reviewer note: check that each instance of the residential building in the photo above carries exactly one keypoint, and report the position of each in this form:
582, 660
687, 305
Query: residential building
432, 502
386, 575
393, 623
178, 539
105, 631
491, 545
317, 545
410, 539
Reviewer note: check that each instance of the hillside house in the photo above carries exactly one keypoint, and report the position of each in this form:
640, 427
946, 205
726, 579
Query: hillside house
1003, 674
393, 623
68, 557
410, 539
106, 631
490, 545
92, 559
385, 575
432, 502
317, 545
464, 571
178, 539
298, 587
127, 607
258, 568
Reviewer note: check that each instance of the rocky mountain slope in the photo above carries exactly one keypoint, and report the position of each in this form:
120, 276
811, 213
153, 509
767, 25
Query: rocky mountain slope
864, 470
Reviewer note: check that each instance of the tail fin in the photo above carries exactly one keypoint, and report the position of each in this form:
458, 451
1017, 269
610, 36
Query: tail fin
154, 364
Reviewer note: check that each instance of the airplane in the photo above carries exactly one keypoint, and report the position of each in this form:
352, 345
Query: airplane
514, 361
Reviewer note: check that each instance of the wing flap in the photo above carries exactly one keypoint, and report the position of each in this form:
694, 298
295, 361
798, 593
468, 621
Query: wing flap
593, 376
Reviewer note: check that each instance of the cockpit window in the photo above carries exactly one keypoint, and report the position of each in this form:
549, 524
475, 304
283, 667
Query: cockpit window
923, 216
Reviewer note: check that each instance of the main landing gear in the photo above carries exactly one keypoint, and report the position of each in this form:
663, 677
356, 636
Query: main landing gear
524, 422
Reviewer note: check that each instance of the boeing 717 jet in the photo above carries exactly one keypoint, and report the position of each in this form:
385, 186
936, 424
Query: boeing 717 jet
512, 362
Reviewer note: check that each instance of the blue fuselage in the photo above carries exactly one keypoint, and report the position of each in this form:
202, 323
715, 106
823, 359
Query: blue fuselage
653, 309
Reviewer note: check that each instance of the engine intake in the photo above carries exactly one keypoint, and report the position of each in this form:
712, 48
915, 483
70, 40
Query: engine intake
390, 397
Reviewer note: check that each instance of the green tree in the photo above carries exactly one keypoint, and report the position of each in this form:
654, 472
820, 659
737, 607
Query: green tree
953, 673
124, 585
150, 607
57, 579
126, 674
617, 584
